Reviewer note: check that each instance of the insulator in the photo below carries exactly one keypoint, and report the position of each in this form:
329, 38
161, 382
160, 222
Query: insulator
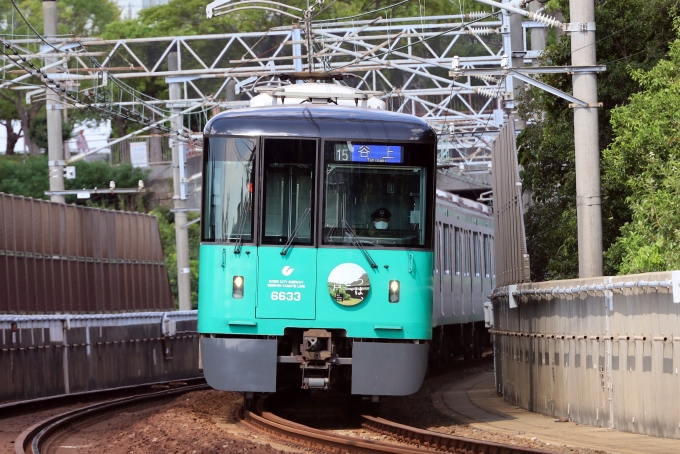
489, 92
476, 15
547, 20
487, 78
482, 31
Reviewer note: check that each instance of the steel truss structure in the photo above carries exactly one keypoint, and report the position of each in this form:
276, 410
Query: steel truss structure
408, 59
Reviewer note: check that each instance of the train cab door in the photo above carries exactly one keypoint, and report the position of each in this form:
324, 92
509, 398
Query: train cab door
287, 256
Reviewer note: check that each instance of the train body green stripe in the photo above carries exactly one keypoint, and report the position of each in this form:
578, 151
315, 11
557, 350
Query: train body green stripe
292, 291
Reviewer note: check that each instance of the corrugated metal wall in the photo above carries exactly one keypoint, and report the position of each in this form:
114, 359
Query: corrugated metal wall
48, 355
601, 351
66, 258
512, 260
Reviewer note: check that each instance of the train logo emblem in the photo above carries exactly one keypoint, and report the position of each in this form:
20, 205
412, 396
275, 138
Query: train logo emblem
287, 271
348, 284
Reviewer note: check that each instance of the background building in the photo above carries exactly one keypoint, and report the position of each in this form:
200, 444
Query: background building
130, 8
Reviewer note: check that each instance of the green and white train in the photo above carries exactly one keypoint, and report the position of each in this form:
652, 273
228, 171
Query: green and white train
320, 220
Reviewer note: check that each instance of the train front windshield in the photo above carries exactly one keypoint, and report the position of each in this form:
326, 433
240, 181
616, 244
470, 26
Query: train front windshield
375, 194
228, 192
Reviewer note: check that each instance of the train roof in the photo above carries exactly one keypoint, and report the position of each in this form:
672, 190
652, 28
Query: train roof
446, 198
325, 121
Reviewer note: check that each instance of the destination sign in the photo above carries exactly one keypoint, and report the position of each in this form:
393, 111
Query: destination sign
388, 154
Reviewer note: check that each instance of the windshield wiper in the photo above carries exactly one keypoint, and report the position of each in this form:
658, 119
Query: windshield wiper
289, 243
239, 236
358, 244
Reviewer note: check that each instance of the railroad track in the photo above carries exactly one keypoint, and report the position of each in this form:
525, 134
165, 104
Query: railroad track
40, 437
424, 440
36, 439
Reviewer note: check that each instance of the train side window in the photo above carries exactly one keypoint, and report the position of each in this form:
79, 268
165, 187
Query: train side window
228, 173
458, 251
288, 172
487, 256
478, 261
437, 248
468, 254
493, 257
447, 250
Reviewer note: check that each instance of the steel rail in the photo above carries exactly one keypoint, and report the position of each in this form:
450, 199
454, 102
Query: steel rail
12, 409
440, 441
36, 437
426, 440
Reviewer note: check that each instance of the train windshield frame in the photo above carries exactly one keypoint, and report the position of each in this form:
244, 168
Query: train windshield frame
288, 179
229, 179
363, 177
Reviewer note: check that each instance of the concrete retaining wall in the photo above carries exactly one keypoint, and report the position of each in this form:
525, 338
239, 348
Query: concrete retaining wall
59, 354
601, 351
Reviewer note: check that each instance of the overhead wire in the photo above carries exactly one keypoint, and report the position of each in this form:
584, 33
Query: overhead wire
131, 91
361, 14
130, 114
61, 91
360, 59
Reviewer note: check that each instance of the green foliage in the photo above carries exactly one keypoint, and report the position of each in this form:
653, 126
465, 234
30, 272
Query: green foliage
27, 176
626, 44
38, 130
24, 175
166, 224
78, 17
99, 174
643, 163
187, 17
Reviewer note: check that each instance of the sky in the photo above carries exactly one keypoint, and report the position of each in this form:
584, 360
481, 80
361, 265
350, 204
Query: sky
133, 6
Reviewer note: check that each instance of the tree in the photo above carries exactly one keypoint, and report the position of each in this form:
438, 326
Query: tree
166, 224
9, 113
37, 132
27, 176
644, 159
546, 147
77, 17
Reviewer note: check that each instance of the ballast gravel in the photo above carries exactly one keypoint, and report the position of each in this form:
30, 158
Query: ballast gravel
203, 422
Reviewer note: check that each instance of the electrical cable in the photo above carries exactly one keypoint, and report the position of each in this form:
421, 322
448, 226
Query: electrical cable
636, 53
488, 120
124, 87
360, 14
16, 7
61, 91
130, 114
360, 59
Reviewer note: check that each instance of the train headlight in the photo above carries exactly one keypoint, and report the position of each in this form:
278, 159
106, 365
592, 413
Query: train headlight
237, 287
394, 291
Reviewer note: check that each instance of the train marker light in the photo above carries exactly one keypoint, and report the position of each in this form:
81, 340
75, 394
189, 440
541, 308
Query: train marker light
237, 287
394, 292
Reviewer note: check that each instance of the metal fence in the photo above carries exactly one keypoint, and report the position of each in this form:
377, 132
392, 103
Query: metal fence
151, 150
46, 355
601, 351
66, 258
512, 260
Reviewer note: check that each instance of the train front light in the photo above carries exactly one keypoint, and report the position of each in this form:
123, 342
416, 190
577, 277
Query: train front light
237, 287
394, 291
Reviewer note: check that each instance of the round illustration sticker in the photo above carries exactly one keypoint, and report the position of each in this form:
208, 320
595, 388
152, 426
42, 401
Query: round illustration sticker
348, 284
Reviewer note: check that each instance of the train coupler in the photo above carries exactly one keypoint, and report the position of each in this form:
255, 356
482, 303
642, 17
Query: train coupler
316, 349
316, 375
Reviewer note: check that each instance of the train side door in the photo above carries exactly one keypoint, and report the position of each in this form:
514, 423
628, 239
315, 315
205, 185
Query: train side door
287, 256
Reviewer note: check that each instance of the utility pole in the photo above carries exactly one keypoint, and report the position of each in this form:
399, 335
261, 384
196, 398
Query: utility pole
538, 34
55, 144
179, 197
586, 140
